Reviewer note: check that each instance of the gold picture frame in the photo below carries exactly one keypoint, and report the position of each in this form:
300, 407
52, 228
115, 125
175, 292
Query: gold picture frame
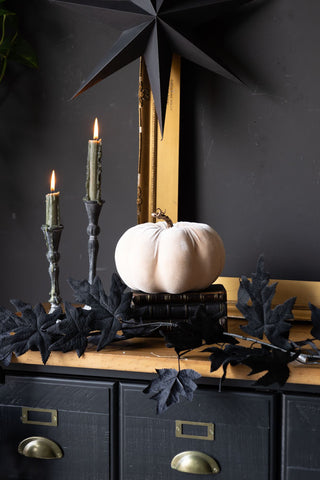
158, 166
158, 186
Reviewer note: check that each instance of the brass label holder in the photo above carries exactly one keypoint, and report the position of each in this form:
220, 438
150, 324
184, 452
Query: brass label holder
52, 415
180, 434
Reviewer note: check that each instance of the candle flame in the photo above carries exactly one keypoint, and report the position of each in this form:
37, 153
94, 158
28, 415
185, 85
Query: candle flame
53, 181
96, 130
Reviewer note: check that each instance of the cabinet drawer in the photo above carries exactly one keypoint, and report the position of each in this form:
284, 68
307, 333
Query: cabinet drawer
301, 437
242, 434
29, 407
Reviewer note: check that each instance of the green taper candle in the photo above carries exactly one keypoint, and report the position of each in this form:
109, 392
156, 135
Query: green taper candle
52, 204
93, 184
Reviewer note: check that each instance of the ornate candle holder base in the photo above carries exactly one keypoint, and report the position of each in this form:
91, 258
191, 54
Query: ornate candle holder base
93, 209
52, 237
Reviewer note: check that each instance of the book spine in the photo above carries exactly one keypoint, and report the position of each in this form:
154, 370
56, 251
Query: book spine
182, 298
176, 311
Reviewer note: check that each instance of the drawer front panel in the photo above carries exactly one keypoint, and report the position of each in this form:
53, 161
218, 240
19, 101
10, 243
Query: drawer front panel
83, 411
301, 437
241, 440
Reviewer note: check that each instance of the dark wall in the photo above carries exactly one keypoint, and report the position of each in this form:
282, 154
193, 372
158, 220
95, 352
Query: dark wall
254, 150
42, 129
250, 154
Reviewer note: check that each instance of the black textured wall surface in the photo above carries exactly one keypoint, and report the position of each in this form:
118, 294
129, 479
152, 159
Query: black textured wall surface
254, 149
42, 129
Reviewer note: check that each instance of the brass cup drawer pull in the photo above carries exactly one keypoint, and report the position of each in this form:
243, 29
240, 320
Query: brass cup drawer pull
195, 462
40, 447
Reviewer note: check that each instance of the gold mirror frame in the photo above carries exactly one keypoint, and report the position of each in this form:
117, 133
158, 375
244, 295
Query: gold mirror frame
158, 167
158, 185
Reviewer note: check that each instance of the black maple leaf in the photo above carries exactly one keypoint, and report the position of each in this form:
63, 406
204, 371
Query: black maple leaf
114, 309
315, 319
170, 385
208, 327
73, 330
28, 331
108, 311
182, 337
85, 292
229, 355
8, 320
189, 334
119, 300
254, 302
276, 326
273, 361
138, 328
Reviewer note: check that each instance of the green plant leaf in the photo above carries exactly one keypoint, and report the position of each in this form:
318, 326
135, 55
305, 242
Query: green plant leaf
22, 52
4, 12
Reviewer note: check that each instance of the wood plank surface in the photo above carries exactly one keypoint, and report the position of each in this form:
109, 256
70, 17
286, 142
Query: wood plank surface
148, 354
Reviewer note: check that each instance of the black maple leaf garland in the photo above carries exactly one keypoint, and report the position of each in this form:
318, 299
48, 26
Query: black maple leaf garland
108, 318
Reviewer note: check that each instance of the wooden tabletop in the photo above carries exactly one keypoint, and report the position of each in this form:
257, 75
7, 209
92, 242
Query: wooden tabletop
148, 354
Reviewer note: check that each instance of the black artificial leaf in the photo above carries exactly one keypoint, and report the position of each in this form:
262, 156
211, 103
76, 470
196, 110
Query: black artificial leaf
275, 362
108, 326
230, 355
86, 293
217, 358
182, 337
250, 299
118, 302
138, 328
106, 311
276, 326
310, 343
315, 319
29, 331
113, 309
254, 302
8, 320
73, 330
170, 385
254, 288
209, 328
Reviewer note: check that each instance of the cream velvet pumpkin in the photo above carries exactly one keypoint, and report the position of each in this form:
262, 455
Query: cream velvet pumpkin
156, 257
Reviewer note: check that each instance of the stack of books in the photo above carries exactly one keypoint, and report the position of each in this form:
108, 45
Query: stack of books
173, 308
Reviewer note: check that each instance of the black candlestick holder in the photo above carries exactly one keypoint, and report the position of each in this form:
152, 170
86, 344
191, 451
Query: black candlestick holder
93, 209
52, 237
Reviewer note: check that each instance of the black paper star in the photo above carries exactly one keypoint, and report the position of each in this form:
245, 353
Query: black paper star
160, 29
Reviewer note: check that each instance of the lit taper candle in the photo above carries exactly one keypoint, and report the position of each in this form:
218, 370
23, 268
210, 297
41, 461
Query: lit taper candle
93, 184
52, 232
52, 204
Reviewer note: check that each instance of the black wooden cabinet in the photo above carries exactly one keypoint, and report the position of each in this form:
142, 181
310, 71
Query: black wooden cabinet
234, 428
107, 429
301, 437
75, 415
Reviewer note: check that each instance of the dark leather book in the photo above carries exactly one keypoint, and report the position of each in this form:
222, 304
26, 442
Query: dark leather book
175, 310
216, 293
169, 316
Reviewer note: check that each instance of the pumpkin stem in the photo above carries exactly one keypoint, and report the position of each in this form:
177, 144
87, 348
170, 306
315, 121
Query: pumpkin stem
161, 215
